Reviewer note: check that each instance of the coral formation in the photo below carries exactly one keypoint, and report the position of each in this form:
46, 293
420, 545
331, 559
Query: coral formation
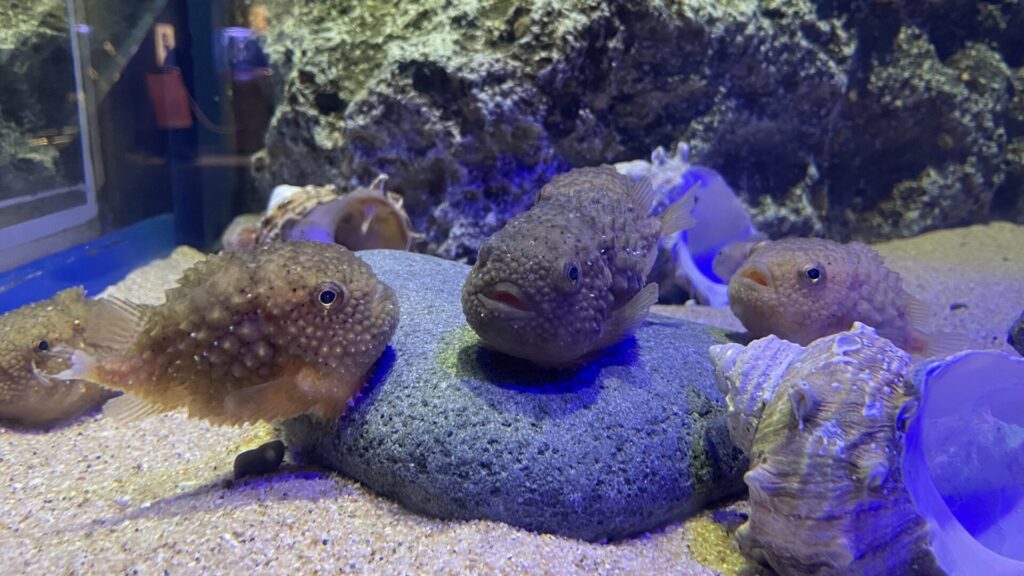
853, 120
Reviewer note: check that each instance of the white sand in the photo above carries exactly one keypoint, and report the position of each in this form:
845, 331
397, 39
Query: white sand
150, 497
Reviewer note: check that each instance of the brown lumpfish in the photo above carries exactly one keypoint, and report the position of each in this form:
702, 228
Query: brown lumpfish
28, 398
263, 333
801, 289
569, 276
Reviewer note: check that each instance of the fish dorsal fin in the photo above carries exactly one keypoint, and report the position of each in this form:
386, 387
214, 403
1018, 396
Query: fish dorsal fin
679, 216
641, 194
114, 323
918, 312
378, 185
630, 316
127, 408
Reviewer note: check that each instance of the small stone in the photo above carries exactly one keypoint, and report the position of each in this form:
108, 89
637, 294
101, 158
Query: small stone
263, 460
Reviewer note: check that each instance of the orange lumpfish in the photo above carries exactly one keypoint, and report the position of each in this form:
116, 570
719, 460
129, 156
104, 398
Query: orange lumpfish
28, 398
263, 333
569, 276
801, 289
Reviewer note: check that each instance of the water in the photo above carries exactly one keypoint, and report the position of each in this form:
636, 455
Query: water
128, 129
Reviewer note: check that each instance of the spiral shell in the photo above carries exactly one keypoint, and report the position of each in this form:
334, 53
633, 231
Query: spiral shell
361, 219
826, 487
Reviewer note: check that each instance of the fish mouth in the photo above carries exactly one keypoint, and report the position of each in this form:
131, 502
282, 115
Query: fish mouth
506, 299
756, 275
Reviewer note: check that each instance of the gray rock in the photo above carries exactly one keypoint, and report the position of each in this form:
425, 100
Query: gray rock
1016, 335
854, 120
633, 440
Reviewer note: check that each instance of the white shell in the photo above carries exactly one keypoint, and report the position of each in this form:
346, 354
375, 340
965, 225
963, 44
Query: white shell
363, 218
826, 492
748, 376
851, 449
963, 460
721, 219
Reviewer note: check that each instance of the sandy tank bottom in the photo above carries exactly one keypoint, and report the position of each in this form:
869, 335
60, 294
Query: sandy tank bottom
154, 497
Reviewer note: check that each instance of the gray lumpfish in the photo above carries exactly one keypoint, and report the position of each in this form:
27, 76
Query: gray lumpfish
801, 289
569, 276
263, 333
28, 336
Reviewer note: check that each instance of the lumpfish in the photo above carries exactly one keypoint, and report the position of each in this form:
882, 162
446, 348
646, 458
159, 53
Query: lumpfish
28, 398
801, 289
263, 333
569, 276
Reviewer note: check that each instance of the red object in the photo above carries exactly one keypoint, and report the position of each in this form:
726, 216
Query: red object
170, 99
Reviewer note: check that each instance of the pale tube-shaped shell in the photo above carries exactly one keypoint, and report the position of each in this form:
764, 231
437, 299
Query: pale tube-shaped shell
361, 219
963, 460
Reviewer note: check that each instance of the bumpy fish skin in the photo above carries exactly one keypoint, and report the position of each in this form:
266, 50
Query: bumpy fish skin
27, 398
248, 335
772, 292
557, 281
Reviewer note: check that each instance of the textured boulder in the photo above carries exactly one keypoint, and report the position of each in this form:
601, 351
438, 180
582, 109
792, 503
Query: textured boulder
851, 119
633, 440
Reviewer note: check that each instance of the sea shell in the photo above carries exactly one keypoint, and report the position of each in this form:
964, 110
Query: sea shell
828, 461
241, 232
721, 220
963, 460
361, 219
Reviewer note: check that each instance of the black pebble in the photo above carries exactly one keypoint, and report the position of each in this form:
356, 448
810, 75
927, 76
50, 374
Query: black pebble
957, 306
263, 460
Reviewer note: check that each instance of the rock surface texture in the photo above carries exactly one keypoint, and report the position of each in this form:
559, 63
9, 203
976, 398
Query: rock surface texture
630, 441
851, 119
1016, 336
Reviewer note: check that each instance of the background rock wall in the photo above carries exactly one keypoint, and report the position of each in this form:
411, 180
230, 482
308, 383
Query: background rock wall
863, 119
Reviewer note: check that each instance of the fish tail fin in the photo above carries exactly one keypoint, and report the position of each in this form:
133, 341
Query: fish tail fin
679, 216
927, 342
935, 344
126, 409
114, 323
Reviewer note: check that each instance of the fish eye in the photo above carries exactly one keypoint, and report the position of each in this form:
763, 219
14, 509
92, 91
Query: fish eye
330, 293
43, 346
572, 272
813, 274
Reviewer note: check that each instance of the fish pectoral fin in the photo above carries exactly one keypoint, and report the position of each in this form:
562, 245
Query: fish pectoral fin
630, 316
279, 398
126, 409
679, 216
114, 323
332, 394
